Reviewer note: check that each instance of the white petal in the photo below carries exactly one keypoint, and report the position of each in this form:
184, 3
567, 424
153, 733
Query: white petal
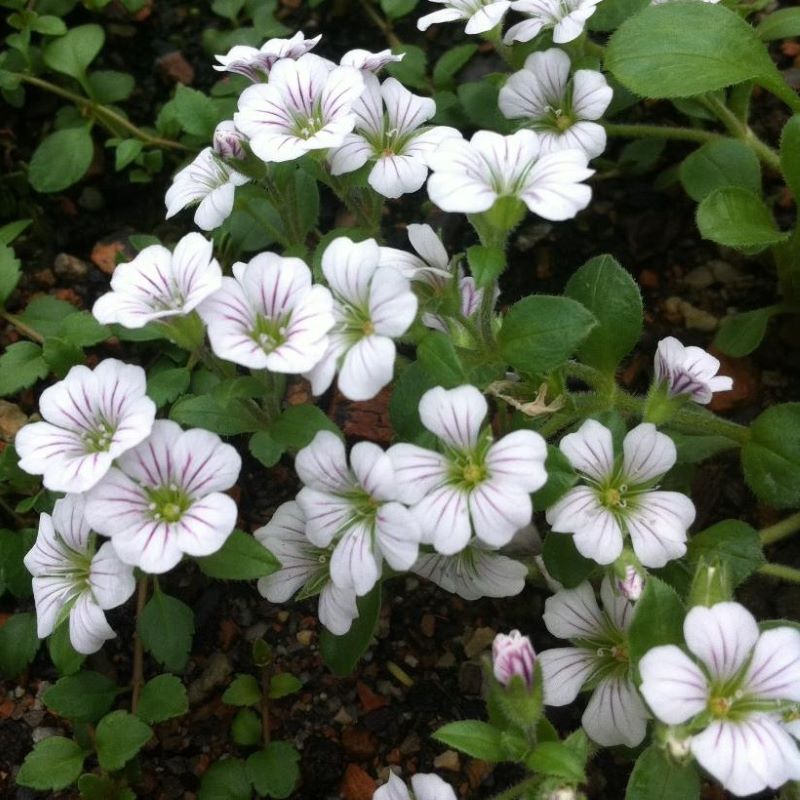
774, 671
111, 580
444, 15
431, 787
541, 86
574, 613
454, 415
215, 207
354, 152
206, 524
429, 246
618, 608
393, 789
70, 523
368, 366
572, 511
443, 517
88, 629
590, 450
322, 464
203, 463
498, 510
657, 525
326, 514
417, 471
553, 187
354, 563
565, 670
51, 594
648, 454
152, 546
337, 609
672, 684
599, 537
487, 17
398, 536
397, 174
591, 94
349, 266
615, 713
519, 458
392, 304
373, 470
151, 462
116, 504
494, 575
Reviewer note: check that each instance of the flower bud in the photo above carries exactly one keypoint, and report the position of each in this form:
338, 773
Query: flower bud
512, 655
630, 587
228, 142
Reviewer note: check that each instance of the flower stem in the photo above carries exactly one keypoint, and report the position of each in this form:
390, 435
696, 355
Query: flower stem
137, 679
659, 132
382, 24
265, 682
518, 789
781, 572
780, 530
31, 333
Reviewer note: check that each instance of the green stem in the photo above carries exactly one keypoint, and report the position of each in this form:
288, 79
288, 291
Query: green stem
780, 530
593, 377
384, 26
781, 572
109, 118
518, 789
659, 132
22, 327
591, 48
137, 679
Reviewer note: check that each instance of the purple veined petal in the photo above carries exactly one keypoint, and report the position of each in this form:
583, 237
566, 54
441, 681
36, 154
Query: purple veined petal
337, 608
537, 89
674, 686
405, 111
327, 515
312, 317
722, 637
149, 544
747, 756
76, 472
574, 613
658, 526
69, 521
591, 94
392, 304
49, 552
553, 187
322, 464
51, 594
443, 517
353, 153
367, 367
774, 670
355, 564
202, 463
647, 454
587, 136
418, 471
488, 16
523, 31
460, 192
397, 535
443, 15
590, 450
564, 671
215, 207
519, 458
429, 787
572, 511
321, 375
88, 629
279, 147
454, 415
116, 503
618, 608
429, 246
71, 403
206, 524
615, 714
373, 470
498, 509
152, 463
368, 109
366, 60
397, 174
274, 284
599, 537
111, 581
343, 87
495, 575
348, 267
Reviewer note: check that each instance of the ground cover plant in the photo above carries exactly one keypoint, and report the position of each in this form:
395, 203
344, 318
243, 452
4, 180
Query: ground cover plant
425, 424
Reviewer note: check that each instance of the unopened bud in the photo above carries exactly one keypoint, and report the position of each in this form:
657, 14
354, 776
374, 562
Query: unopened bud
513, 654
228, 142
631, 586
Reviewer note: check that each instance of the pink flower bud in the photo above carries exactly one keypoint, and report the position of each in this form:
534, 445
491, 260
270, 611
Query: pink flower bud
630, 587
512, 655
228, 142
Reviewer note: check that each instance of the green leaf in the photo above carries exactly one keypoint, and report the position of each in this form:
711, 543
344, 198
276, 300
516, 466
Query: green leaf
82, 329
475, 738
47, 314
166, 626
719, 164
49, 25
686, 49
607, 290
656, 778
74, 51
657, 619
273, 771
411, 71
450, 63
485, 264
564, 562
101, 787
61, 159
9, 273
734, 543
438, 356
162, 698
14, 576
557, 760
541, 332
196, 112
110, 86
264, 447
283, 684
127, 152
790, 152
241, 558
11, 230
204, 411
740, 334
168, 384
560, 478
54, 763
771, 457
83, 697
246, 728
226, 780
394, 9
611, 14
66, 658
781, 24
298, 425
407, 391
736, 217
61, 356
479, 101
243, 691
118, 738
694, 449
341, 653
18, 644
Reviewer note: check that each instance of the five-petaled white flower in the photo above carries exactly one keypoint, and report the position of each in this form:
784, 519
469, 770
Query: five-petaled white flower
396, 140
481, 15
159, 284
475, 484
211, 183
513, 656
620, 498
469, 176
269, 316
70, 578
165, 498
255, 63
372, 306
689, 371
425, 786
307, 105
474, 572
366, 60
560, 108
90, 418
732, 700
356, 508
567, 19
305, 568
615, 713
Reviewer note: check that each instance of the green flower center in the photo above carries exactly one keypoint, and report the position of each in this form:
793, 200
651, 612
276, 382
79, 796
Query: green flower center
99, 439
269, 334
473, 474
611, 497
719, 706
168, 503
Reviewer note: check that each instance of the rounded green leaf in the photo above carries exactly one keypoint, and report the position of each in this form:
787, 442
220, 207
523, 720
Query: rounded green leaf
163, 697
475, 738
75, 50
686, 49
780, 24
341, 653
790, 153
166, 626
241, 558
657, 619
243, 691
611, 14
654, 777
226, 780
715, 165
118, 738
84, 697
273, 771
61, 159
18, 644
740, 334
54, 763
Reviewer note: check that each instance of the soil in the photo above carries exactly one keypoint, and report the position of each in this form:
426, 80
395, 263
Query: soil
351, 731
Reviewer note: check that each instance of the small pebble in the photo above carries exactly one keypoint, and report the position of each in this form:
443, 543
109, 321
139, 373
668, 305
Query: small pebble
448, 760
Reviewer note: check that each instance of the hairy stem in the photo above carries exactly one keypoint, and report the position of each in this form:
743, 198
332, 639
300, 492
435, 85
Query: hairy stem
780, 530
518, 789
137, 679
383, 25
659, 132
781, 572
24, 329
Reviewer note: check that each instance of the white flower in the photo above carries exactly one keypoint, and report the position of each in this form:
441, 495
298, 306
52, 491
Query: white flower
481, 15
90, 418
470, 176
372, 62
615, 713
304, 568
228, 141
209, 181
355, 507
475, 484
566, 17
165, 498
622, 498
474, 572
269, 316
70, 578
425, 786
429, 263
732, 700
159, 284
470, 299
255, 63
372, 306
560, 108
307, 105
513, 655
689, 371
395, 140
631, 586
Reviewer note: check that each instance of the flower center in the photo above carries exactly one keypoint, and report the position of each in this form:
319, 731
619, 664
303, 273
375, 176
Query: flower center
719, 706
620, 653
611, 498
368, 328
268, 333
99, 439
168, 503
473, 474
562, 120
